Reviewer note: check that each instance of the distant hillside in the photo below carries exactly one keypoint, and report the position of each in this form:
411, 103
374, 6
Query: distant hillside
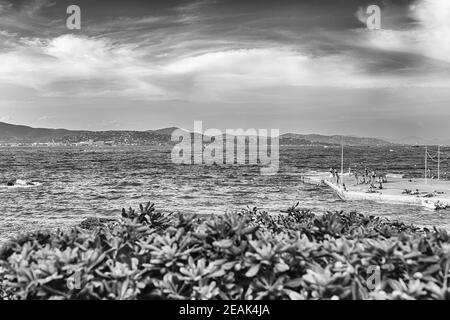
336, 139
421, 141
10, 132
25, 134
292, 139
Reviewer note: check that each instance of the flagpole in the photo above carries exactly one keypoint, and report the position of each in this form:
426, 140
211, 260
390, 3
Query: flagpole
439, 162
426, 165
342, 157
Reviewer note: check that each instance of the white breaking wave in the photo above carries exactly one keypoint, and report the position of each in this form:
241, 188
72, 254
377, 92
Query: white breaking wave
22, 184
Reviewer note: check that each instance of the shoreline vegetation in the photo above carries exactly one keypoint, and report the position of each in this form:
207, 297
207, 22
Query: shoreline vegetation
149, 254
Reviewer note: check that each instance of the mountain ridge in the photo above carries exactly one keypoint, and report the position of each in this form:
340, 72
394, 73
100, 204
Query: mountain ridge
26, 134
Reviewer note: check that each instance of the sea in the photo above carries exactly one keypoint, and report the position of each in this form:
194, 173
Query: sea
71, 184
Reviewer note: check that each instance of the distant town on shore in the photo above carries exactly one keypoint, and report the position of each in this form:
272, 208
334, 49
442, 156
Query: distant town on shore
19, 135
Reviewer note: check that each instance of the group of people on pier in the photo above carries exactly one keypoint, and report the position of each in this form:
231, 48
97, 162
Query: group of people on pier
335, 175
371, 178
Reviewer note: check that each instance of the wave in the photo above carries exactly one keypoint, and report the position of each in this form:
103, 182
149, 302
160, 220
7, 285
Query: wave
19, 183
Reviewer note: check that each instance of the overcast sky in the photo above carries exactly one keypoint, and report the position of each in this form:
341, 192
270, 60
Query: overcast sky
301, 66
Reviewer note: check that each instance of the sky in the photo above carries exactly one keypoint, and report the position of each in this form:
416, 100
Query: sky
300, 66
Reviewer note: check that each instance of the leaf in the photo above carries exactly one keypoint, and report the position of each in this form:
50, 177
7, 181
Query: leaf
217, 274
295, 283
432, 269
294, 295
281, 267
253, 271
223, 244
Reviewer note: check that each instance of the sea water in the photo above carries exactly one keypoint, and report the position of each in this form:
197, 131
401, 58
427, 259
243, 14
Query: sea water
76, 183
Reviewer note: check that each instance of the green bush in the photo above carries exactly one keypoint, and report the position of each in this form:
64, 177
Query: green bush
247, 255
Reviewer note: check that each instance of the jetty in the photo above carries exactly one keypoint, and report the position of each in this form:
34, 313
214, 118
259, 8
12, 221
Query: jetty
430, 193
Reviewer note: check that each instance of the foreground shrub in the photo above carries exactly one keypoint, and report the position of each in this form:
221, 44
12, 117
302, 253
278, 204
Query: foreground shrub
247, 255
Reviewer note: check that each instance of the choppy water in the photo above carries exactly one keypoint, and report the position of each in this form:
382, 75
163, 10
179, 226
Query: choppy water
76, 184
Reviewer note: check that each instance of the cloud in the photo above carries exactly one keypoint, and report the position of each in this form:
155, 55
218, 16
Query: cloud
203, 63
79, 66
361, 15
75, 65
429, 36
27, 17
5, 7
34, 6
5, 118
230, 71
434, 36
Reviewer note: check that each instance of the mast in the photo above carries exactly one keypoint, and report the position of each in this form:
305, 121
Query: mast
426, 165
342, 157
439, 162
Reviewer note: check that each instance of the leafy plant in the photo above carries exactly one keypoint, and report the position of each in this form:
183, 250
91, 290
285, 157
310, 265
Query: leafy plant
252, 254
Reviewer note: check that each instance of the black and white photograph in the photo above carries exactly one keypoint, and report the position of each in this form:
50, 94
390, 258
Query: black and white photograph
232, 151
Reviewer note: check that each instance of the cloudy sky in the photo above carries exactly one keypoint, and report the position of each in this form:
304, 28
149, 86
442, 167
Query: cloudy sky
302, 66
